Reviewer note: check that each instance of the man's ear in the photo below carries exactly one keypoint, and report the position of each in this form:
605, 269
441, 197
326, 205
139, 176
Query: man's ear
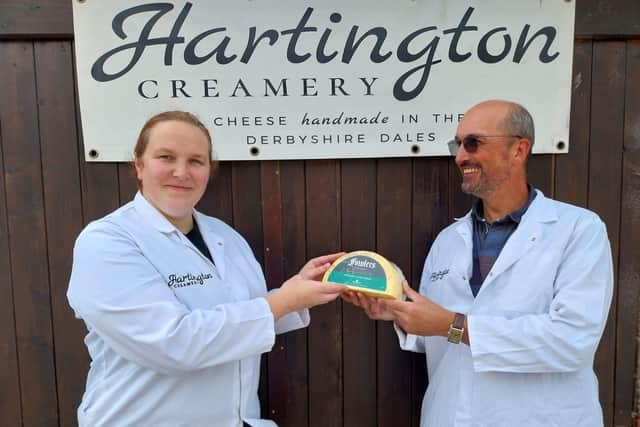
523, 149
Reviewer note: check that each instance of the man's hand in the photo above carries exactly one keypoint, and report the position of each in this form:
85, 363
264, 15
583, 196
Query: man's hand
419, 315
373, 307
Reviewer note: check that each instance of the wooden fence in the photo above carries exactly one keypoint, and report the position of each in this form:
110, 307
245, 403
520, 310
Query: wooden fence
344, 370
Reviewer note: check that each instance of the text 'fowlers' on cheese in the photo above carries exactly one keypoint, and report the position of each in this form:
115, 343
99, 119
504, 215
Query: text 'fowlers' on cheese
366, 272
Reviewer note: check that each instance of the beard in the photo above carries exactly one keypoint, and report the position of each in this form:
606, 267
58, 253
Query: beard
482, 185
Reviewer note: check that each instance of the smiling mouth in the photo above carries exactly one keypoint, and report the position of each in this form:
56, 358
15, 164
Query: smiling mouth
178, 187
469, 171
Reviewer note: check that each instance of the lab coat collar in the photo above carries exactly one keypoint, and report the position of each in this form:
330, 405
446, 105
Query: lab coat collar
525, 237
152, 215
214, 241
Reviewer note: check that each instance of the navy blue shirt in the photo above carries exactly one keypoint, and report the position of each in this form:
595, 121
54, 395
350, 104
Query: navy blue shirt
490, 237
198, 241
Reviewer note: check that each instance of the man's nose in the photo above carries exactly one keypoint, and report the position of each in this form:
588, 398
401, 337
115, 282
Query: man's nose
461, 155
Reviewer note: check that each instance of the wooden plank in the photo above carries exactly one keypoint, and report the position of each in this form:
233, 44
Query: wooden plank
571, 172
429, 216
459, 203
100, 190
607, 121
247, 206
63, 208
217, 200
274, 273
540, 172
36, 19
29, 267
10, 411
607, 18
292, 189
629, 276
53, 19
247, 220
358, 218
394, 242
325, 331
127, 182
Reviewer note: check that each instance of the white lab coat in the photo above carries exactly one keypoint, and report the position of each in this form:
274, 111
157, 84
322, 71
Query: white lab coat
174, 340
534, 326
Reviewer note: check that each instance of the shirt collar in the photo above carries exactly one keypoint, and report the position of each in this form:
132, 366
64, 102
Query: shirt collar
477, 212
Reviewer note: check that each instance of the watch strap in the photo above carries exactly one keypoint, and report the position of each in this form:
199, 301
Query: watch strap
456, 329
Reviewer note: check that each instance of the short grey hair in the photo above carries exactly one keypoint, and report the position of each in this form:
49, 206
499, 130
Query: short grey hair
519, 122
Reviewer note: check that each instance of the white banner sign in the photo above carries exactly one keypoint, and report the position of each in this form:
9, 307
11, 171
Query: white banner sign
283, 79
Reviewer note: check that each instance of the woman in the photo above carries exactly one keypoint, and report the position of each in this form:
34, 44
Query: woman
174, 301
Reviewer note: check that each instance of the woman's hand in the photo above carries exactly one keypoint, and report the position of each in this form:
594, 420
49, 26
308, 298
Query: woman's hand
305, 290
316, 267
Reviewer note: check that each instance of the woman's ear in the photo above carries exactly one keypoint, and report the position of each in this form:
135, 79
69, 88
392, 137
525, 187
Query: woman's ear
138, 164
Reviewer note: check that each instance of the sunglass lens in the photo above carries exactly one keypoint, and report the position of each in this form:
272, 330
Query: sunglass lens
470, 144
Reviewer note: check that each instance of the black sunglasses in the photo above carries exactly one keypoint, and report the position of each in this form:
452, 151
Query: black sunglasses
472, 142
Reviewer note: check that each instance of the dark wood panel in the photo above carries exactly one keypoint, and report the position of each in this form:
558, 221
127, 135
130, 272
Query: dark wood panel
274, 273
325, 331
247, 206
25, 208
10, 411
292, 193
217, 200
540, 171
429, 216
394, 242
358, 218
127, 183
571, 172
607, 115
629, 276
459, 203
247, 220
607, 18
53, 19
28, 19
100, 189
63, 207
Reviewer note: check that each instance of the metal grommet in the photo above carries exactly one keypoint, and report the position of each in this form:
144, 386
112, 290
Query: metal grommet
94, 154
560, 145
254, 151
415, 149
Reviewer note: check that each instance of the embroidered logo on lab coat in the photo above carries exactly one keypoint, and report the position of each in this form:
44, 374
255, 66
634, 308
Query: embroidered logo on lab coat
438, 275
189, 279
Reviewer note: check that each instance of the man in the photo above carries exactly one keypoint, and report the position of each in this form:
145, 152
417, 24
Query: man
514, 296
